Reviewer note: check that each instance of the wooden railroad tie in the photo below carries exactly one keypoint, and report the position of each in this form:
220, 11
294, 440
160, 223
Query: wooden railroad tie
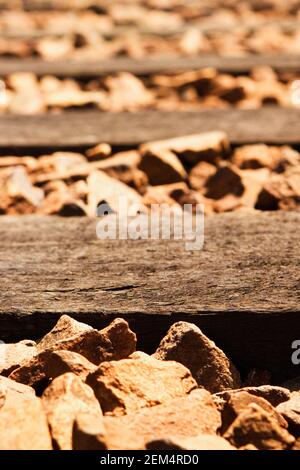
242, 289
82, 129
147, 66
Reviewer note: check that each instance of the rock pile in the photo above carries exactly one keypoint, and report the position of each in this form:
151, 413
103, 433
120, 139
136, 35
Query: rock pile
139, 29
196, 169
194, 90
86, 389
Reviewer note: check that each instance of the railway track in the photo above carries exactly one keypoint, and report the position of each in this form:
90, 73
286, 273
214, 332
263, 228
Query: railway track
245, 283
133, 138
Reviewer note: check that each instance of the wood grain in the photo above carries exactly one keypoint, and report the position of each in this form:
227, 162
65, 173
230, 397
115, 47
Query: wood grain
243, 289
147, 66
76, 129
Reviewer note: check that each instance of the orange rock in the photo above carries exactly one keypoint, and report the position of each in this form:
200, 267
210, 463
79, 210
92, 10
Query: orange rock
105, 189
126, 93
65, 328
15, 387
23, 424
280, 191
187, 416
100, 151
30, 163
58, 350
64, 400
256, 156
120, 435
49, 364
19, 185
60, 162
200, 173
27, 97
51, 48
123, 166
273, 394
208, 364
89, 432
114, 342
253, 182
162, 167
255, 426
237, 402
61, 362
119, 161
209, 146
290, 410
137, 382
13, 355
